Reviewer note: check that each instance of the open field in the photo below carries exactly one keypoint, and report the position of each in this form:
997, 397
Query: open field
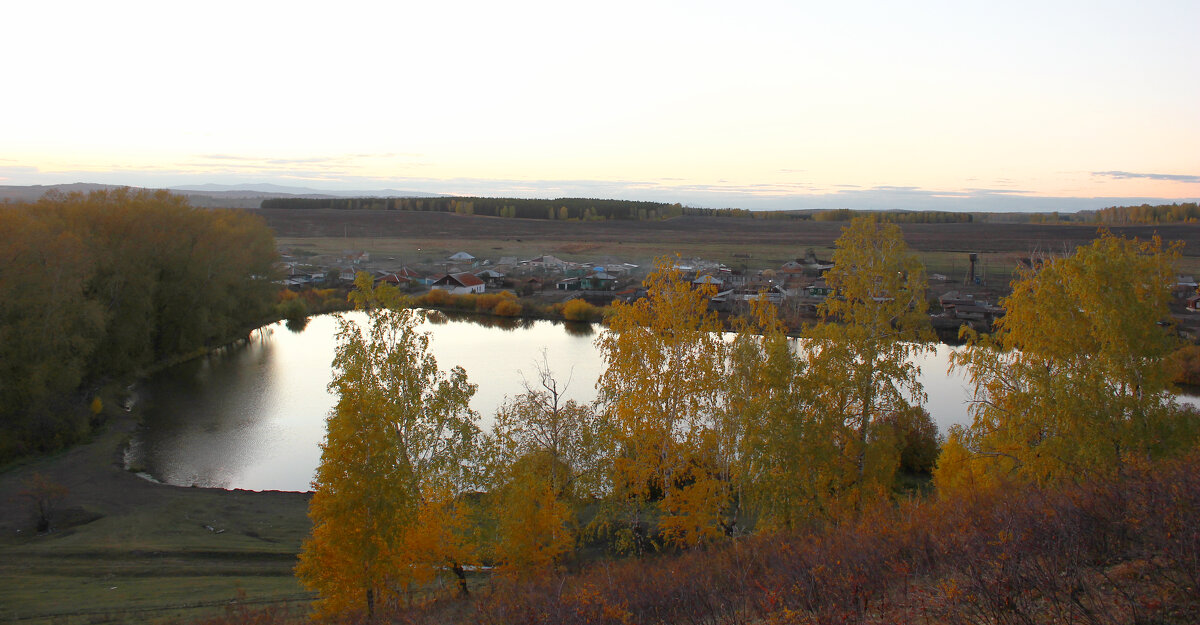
426, 238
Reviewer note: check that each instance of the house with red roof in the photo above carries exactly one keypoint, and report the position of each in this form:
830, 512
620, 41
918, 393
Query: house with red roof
459, 283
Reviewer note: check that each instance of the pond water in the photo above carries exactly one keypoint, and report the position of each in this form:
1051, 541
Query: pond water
252, 416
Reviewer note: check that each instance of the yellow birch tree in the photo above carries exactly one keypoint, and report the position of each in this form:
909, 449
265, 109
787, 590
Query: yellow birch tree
394, 453
859, 356
545, 453
1075, 382
660, 391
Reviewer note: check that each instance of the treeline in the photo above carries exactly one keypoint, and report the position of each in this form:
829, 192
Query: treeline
896, 217
1187, 212
583, 209
578, 209
95, 287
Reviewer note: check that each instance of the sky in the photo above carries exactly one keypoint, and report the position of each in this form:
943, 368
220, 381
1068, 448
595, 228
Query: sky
773, 105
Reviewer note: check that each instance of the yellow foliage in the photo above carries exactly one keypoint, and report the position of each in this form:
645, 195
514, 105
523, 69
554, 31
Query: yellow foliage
692, 512
660, 390
401, 430
579, 310
960, 473
1075, 380
533, 526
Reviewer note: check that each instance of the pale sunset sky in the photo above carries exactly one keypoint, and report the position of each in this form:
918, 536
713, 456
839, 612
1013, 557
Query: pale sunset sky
912, 105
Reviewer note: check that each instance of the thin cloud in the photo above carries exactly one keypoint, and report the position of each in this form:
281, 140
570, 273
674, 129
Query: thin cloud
1128, 175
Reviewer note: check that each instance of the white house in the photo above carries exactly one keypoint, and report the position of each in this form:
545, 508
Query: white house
458, 283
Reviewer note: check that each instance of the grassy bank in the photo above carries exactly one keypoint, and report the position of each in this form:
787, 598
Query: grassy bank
124, 550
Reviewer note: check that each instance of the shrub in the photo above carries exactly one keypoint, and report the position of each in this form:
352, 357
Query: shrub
294, 309
507, 308
580, 310
1186, 365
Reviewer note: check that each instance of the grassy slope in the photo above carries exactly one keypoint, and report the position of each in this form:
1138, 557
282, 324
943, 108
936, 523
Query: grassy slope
126, 550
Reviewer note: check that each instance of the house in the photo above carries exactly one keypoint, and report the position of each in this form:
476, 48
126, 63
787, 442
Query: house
492, 278
708, 280
548, 262
462, 257
405, 272
818, 290
356, 258
772, 293
393, 279
459, 283
952, 300
569, 284
1193, 303
598, 281
810, 265
978, 312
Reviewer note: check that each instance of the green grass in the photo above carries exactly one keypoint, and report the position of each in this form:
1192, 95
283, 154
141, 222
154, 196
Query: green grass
127, 551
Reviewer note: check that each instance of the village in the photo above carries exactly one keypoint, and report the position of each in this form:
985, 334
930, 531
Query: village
796, 288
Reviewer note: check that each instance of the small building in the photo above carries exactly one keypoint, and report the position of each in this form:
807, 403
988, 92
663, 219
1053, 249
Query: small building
460, 283
1193, 303
548, 262
394, 279
818, 290
598, 281
492, 278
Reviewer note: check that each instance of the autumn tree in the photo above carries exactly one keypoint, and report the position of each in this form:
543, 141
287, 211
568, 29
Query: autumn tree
859, 357
1074, 381
396, 448
660, 391
760, 439
545, 453
95, 287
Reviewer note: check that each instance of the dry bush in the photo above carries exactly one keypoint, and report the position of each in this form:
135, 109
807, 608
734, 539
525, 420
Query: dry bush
1124, 551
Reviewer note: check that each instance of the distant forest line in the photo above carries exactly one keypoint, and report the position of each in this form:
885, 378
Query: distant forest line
585, 209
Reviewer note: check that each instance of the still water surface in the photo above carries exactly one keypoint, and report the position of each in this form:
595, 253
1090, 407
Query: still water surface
252, 416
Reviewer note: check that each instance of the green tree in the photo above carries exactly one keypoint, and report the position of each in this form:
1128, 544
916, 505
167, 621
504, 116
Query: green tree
396, 449
1075, 381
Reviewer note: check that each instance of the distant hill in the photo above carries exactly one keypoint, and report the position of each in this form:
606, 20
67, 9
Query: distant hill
275, 190
33, 192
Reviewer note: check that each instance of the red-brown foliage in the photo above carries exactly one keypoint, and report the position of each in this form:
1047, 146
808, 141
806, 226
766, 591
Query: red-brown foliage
1124, 551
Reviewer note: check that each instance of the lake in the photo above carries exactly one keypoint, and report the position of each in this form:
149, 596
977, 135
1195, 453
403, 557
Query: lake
251, 416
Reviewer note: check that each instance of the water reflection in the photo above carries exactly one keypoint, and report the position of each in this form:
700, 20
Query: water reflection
252, 416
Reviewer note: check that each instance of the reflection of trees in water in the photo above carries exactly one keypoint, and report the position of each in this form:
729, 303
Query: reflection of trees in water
439, 317
436, 317
297, 325
578, 328
198, 421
